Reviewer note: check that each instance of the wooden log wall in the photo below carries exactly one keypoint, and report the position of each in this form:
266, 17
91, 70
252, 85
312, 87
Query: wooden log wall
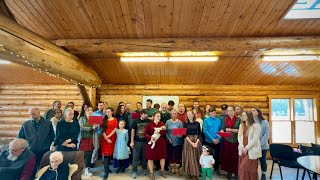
247, 96
15, 101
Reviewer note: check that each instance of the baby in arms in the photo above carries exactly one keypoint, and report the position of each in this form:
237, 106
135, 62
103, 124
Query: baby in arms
156, 136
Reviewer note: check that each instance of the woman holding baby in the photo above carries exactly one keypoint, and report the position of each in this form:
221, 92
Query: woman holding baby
156, 149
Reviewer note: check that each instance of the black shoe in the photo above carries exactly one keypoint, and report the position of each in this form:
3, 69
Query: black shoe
110, 171
263, 177
122, 170
166, 168
229, 176
217, 172
92, 165
105, 177
118, 170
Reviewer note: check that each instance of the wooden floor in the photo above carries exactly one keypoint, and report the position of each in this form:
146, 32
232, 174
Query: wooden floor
288, 174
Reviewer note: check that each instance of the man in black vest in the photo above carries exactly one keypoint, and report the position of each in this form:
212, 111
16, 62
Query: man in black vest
39, 134
17, 162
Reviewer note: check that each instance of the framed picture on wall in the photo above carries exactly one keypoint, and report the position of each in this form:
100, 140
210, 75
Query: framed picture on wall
160, 100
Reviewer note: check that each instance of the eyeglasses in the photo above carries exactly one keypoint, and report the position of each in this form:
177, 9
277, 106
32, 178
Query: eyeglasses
15, 150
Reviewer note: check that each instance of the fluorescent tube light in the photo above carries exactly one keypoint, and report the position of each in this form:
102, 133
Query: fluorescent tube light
194, 59
144, 59
291, 58
4, 62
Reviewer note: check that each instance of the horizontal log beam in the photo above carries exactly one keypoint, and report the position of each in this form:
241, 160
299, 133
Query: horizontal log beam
111, 46
17, 40
218, 104
212, 87
37, 103
220, 98
39, 87
26, 93
40, 97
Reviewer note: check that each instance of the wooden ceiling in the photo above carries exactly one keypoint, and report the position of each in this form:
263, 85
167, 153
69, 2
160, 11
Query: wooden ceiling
66, 20
105, 19
227, 70
17, 74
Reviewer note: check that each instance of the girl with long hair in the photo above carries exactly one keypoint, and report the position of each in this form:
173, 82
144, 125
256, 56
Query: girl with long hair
264, 137
249, 147
192, 147
108, 139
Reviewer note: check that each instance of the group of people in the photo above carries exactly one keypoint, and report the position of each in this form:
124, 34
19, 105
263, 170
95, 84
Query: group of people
150, 140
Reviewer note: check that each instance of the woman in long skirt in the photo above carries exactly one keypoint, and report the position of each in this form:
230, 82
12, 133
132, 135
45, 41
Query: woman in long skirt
192, 147
230, 157
249, 147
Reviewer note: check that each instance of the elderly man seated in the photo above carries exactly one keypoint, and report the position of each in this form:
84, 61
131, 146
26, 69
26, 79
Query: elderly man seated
57, 170
17, 162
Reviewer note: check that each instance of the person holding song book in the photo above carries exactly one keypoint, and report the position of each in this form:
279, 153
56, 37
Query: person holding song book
174, 143
86, 143
229, 155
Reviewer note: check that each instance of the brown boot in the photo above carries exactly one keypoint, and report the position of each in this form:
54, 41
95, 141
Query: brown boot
171, 169
152, 176
177, 169
163, 174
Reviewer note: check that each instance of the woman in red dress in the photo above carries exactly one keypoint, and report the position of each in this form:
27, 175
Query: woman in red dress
108, 139
159, 150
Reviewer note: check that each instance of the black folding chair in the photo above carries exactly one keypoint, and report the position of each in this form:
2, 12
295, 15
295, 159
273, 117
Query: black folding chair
283, 155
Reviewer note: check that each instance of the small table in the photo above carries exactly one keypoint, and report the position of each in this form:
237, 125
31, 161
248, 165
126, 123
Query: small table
311, 163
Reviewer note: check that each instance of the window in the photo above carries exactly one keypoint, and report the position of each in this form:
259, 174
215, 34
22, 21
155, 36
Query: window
304, 9
293, 120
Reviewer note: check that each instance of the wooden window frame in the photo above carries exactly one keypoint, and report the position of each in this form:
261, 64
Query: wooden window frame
315, 115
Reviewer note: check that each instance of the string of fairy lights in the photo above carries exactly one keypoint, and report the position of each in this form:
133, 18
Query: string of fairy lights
37, 67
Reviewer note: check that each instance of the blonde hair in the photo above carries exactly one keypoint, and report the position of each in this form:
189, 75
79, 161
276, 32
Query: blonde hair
241, 109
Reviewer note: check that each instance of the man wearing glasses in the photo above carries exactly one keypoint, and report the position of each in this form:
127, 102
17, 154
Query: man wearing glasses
18, 161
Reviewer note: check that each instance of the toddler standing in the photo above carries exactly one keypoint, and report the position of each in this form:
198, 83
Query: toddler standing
206, 162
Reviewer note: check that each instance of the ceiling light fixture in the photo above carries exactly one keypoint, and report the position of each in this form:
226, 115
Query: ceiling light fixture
144, 59
291, 58
194, 59
4, 62
172, 59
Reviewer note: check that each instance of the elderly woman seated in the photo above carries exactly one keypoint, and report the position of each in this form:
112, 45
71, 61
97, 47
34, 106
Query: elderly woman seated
57, 170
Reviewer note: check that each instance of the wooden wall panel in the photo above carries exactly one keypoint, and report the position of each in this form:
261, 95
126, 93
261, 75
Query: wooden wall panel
245, 95
15, 101
113, 100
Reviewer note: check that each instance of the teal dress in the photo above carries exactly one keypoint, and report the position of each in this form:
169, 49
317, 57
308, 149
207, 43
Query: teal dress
121, 149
